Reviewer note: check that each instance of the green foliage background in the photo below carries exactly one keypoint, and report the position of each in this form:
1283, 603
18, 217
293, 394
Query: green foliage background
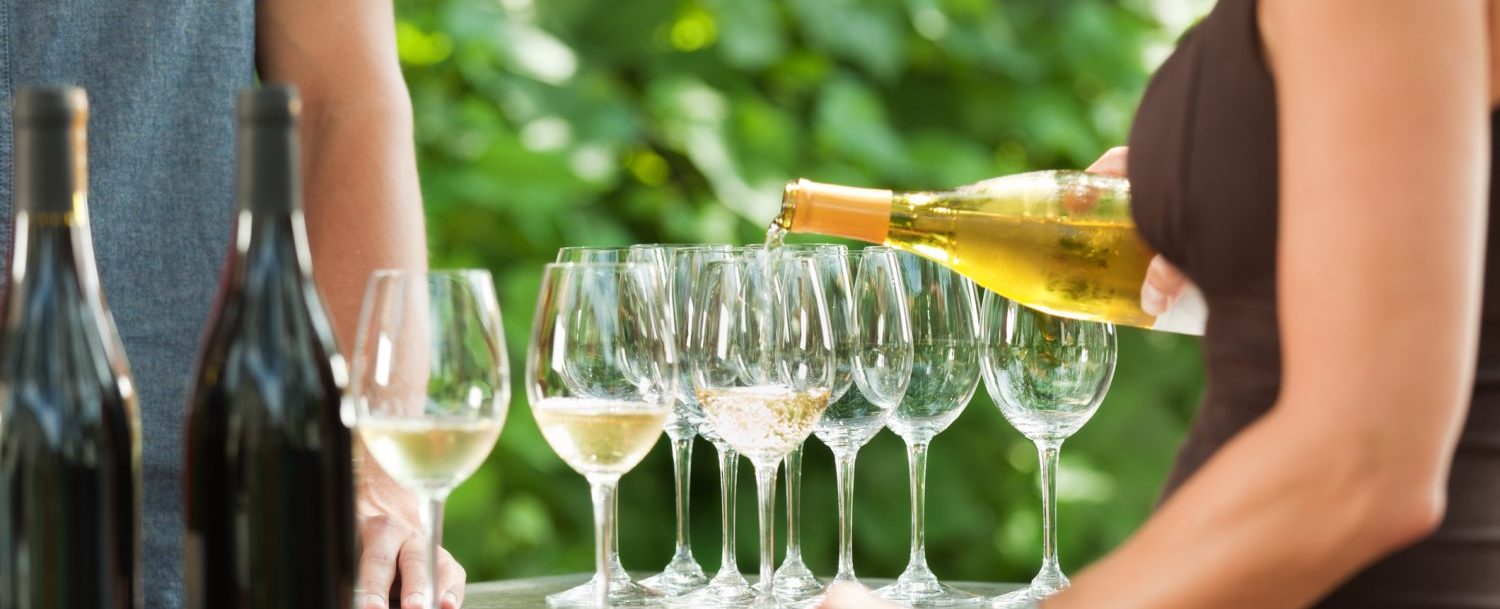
544, 123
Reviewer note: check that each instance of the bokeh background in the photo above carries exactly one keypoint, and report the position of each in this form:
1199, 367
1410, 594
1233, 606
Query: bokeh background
544, 123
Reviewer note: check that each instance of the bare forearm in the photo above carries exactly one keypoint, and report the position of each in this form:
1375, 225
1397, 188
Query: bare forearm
1276, 519
364, 206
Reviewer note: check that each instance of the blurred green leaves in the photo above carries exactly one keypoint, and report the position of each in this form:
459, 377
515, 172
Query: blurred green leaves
543, 123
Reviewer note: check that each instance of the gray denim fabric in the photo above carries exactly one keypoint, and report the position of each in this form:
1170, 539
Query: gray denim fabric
161, 77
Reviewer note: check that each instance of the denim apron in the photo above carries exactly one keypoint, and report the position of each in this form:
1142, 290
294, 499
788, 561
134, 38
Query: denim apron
161, 77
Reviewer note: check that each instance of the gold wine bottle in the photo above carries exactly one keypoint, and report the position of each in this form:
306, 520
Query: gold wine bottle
1062, 242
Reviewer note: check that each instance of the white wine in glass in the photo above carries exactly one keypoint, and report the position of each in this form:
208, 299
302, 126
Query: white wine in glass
595, 436
429, 454
763, 421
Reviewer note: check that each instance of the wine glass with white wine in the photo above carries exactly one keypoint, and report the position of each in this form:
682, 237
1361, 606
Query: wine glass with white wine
682, 574
728, 587
763, 364
600, 375
1048, 375
431, 384
945, 372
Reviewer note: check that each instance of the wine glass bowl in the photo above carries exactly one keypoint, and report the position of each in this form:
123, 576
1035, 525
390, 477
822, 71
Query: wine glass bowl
1047, 374
431, 384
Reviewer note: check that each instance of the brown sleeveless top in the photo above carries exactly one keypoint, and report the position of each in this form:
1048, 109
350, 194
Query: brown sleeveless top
1203, 167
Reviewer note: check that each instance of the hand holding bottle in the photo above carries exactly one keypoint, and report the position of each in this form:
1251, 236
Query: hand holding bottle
1164, 282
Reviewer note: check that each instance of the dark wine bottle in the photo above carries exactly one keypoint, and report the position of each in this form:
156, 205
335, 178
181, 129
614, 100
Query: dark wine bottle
70, 448
269, 480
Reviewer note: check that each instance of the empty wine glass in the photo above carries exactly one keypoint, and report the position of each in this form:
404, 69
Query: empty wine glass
600, 375
763, 365
879, 348
945, 373
431, 384
1048, 375
793, 580
728, 587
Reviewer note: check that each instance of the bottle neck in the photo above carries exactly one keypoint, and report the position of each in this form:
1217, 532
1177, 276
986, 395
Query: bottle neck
51, 233
269, 225
863, 214
270, 170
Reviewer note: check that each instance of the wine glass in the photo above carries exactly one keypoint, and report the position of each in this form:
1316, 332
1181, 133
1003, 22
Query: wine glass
945, 373
600, 375
431, 384
879, 351
793, 580
682, 574
728, 588
1048, 375
763, 365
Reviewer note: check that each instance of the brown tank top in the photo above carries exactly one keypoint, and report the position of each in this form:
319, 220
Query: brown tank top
1203, 167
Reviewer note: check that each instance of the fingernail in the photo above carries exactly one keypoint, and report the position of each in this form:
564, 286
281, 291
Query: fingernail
376, 601
1153, 302
450, 600
415, 599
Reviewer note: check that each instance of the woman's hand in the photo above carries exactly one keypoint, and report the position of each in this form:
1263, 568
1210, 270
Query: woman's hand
1164, 283
392, 539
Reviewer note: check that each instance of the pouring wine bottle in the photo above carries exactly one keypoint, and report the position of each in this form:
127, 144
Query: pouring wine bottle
70, 449
269, 480
1059, 241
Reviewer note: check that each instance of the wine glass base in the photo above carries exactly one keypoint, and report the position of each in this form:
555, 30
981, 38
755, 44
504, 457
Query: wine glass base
728, 589
927, 592
622, 593
682, 575
1016, 599
794, 582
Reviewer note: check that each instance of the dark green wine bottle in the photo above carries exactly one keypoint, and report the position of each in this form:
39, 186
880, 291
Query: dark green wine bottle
70, 450
269, 480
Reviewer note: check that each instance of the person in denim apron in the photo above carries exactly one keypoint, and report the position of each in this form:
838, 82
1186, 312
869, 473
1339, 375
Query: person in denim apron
162, 77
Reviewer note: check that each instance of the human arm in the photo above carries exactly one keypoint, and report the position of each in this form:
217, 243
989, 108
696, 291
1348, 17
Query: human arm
363, 213
1384, 165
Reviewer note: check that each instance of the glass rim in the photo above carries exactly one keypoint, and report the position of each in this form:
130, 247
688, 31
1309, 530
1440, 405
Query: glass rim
598, 265
403, 273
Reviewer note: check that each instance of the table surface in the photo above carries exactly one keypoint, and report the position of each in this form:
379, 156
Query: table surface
532, 593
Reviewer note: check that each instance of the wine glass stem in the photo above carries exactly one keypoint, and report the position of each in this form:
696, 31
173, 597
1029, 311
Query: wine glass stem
765, 490
433, 518
682, 458
844, 470
794, 505
729, 469
614, 528
602, 489
916, 461
1047, 454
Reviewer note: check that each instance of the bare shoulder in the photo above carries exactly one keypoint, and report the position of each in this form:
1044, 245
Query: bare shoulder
1361, 41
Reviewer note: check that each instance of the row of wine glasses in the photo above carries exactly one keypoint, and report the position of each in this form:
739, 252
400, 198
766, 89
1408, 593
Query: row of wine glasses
752, 349
903, 347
